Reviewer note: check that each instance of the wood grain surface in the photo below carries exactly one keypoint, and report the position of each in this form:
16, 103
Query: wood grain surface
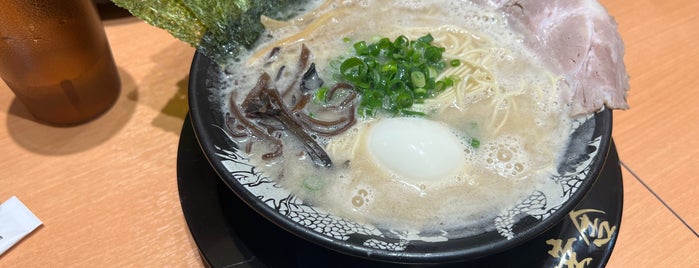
107, 191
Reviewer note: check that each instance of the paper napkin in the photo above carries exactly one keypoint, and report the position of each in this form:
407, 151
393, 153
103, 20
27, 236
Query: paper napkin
16, 222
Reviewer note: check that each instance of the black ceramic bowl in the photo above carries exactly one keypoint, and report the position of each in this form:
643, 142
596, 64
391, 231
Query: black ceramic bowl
536, 213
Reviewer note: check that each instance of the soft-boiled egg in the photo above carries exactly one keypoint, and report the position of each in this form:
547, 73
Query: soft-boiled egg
415, 149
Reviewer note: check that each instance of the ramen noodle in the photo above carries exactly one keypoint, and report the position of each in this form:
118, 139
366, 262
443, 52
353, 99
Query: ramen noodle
485, 143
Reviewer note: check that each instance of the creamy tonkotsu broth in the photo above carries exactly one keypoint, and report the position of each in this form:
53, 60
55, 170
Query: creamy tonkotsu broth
485, 143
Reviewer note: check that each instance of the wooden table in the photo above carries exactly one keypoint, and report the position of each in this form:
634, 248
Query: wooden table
107, 191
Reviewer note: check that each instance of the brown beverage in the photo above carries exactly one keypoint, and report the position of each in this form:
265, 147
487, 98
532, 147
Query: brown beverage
55, 57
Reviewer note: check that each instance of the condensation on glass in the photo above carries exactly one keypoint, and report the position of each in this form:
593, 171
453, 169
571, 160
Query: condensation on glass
55, 57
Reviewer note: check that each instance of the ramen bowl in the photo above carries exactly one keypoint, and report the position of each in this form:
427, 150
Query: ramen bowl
583, 161
506, 161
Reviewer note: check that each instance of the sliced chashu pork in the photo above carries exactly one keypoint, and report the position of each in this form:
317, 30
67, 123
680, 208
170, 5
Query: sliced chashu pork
587, 50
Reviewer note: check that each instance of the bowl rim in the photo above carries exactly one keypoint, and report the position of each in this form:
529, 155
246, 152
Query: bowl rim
199, 96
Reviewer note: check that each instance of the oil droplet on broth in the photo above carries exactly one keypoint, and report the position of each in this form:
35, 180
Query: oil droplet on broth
362, 197
357, 201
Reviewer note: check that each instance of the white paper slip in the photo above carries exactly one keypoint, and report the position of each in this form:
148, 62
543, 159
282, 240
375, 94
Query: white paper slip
16, 222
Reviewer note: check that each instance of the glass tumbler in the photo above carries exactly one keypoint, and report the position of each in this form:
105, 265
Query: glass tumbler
55, 57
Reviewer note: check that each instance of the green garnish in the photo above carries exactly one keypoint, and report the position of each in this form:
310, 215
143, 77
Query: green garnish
218, 29
320, 96
313, 183
475, 143
393, 75
471, 130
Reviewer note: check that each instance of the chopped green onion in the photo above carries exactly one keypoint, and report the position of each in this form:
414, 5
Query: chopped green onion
421, 91
404, 100
354, 70
361, 48
418, 79
426, 39
391, 76
439, 86
475, 143
401, 42
433, 54
313, 183
320, 95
